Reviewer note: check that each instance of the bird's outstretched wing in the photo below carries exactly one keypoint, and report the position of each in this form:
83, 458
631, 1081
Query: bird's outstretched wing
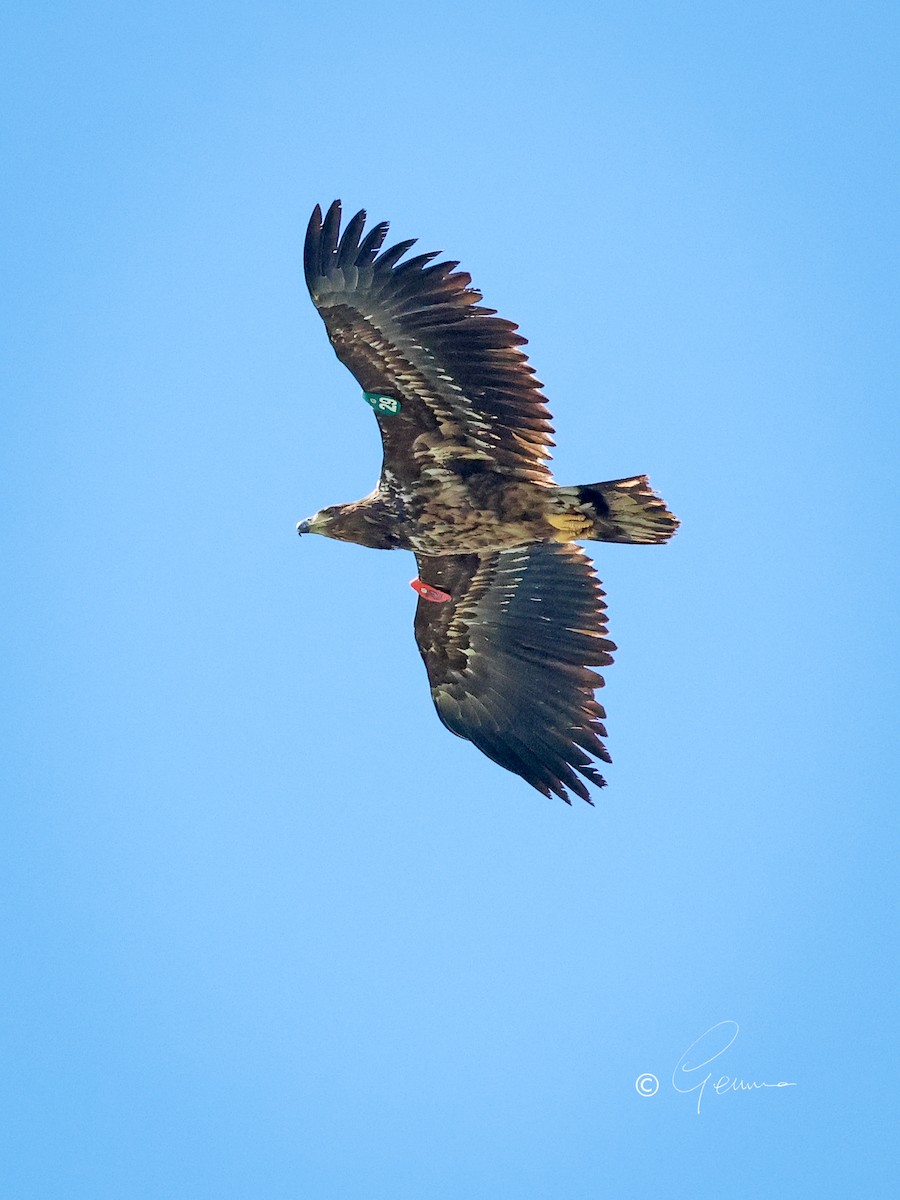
457, 389
509, 657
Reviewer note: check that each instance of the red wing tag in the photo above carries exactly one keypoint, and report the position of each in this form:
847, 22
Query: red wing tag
427, 592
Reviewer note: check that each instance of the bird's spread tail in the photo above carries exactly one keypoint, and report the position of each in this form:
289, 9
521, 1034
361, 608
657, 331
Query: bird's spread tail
621, 510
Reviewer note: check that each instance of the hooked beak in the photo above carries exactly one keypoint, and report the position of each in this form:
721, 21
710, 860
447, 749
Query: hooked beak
303, 527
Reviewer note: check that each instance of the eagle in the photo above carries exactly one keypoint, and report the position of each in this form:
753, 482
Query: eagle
511, 618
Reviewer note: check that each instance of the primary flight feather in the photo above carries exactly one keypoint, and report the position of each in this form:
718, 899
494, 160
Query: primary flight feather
511, 617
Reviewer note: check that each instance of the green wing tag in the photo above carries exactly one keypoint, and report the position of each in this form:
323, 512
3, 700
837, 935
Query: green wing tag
382, 404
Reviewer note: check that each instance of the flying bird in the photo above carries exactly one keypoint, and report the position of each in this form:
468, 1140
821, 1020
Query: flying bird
511, 618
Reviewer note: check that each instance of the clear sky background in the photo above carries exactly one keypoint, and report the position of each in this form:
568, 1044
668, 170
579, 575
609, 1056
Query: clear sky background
268, 929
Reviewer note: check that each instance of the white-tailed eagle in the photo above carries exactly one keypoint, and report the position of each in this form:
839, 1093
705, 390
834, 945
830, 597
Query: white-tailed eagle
511, 618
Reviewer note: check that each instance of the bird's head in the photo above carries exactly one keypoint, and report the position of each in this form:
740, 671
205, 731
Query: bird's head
366, 522
321, 522
344, 522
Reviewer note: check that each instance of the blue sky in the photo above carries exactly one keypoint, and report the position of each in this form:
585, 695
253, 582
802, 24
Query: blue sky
268, 929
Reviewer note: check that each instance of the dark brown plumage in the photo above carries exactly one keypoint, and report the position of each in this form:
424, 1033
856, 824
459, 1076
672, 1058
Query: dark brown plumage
515, 621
